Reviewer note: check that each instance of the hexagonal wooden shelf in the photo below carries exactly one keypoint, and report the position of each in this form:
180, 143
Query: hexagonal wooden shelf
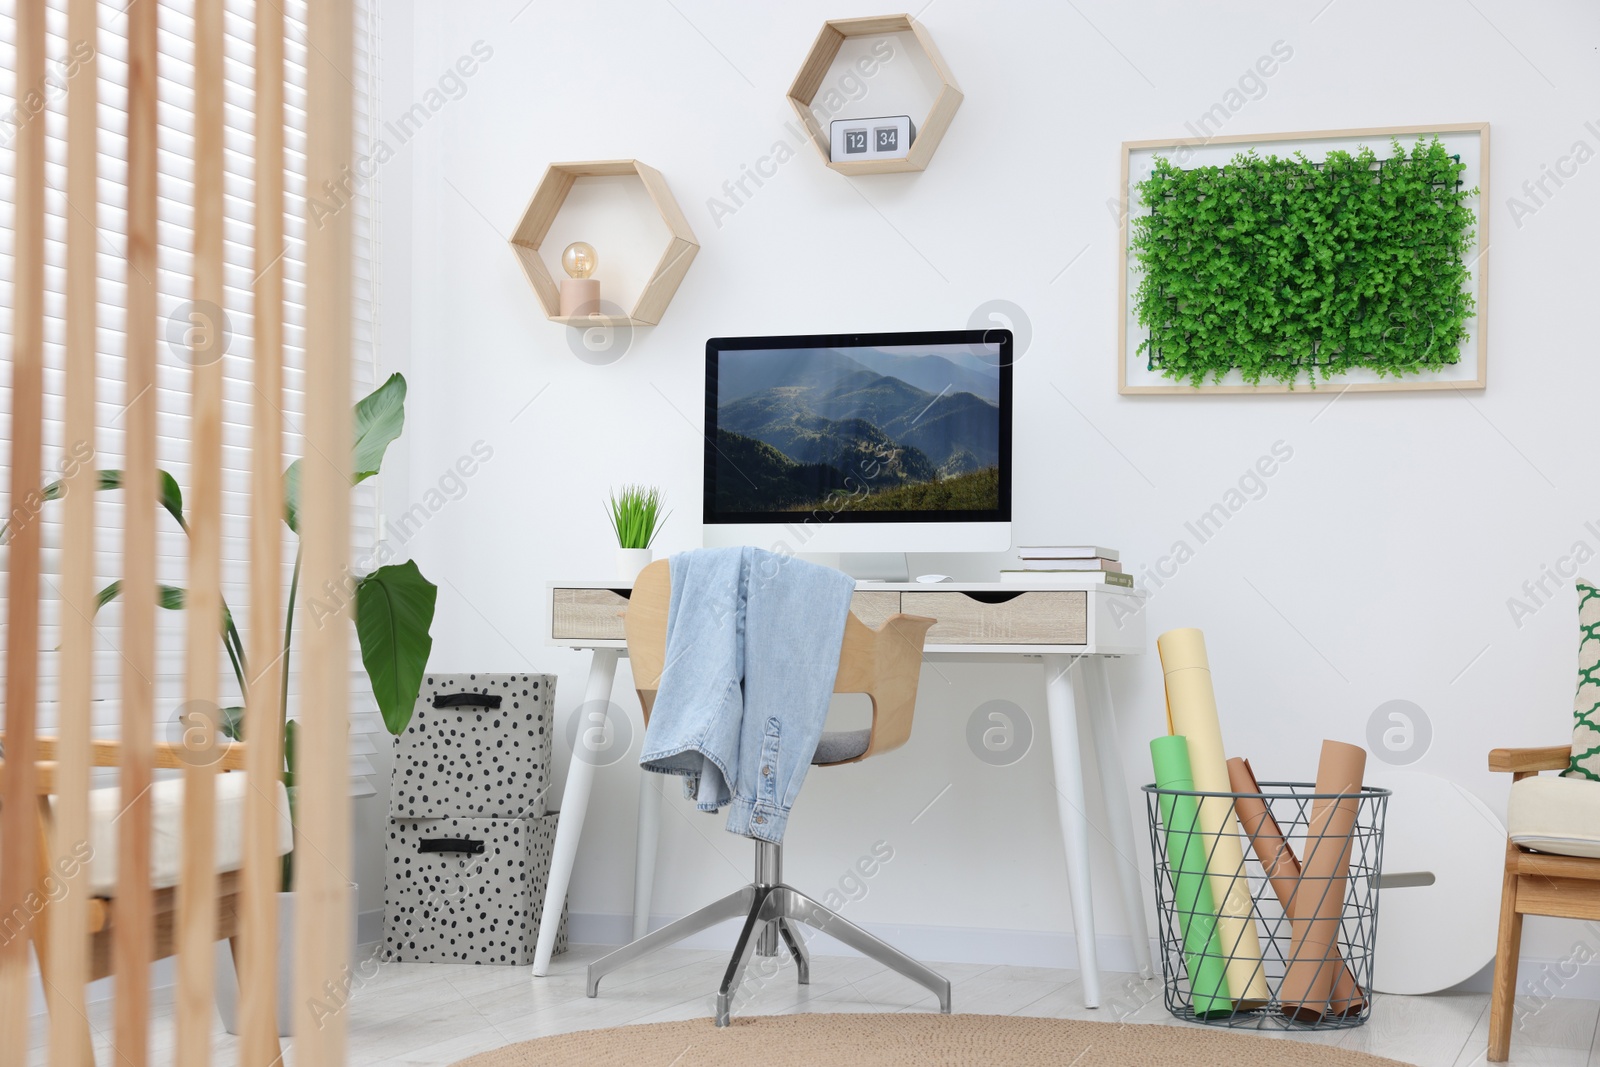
826, 49
546, 203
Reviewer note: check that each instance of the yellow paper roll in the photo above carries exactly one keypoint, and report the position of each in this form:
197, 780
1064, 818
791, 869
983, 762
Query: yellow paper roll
1192, 713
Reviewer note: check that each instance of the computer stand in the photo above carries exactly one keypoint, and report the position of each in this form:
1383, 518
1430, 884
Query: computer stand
876, 566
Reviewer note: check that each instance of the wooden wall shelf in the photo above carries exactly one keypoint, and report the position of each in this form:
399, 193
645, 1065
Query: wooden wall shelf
545, 205
818, 61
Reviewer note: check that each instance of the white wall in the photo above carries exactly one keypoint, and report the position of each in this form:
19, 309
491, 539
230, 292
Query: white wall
1377, 565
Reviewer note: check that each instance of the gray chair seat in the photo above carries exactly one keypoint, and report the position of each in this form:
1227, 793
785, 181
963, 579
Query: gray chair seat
837, 745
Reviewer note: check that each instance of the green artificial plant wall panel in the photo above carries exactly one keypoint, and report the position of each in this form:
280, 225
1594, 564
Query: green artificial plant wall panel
1305, 267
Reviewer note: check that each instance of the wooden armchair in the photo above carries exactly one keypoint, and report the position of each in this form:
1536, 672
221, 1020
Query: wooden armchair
102, 909
1546, 873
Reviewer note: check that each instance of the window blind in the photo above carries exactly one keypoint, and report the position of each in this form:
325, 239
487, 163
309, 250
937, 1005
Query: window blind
175, 211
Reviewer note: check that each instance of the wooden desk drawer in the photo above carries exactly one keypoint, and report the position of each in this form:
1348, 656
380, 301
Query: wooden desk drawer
594, 614
873, 606
1036, 617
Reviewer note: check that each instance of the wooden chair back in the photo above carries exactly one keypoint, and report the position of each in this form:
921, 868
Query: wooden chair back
884, 663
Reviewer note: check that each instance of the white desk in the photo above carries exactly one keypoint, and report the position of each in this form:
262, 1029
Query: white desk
1072, 631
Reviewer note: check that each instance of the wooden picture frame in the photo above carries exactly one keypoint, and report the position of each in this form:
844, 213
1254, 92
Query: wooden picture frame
1470, 138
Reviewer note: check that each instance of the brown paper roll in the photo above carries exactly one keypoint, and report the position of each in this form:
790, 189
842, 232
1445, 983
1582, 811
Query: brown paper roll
1307, 990
1283, 869
1266, 839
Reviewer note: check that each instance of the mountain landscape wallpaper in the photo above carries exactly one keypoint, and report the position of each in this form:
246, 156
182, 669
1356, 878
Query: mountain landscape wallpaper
918, 428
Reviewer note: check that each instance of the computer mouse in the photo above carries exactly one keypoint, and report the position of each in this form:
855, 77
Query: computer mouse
929, 579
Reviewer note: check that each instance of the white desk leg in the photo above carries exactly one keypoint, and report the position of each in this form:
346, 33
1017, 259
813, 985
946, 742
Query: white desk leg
1064, 747
1114, 788
574, 806
644, 858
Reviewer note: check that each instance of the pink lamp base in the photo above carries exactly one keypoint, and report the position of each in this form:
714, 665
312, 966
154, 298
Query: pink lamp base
580, 296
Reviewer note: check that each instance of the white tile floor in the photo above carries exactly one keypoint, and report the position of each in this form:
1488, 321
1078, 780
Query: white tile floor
429, 1015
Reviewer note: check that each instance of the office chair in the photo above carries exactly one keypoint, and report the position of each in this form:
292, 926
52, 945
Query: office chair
882, 663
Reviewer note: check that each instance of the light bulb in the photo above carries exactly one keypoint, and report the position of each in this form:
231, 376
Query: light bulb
580, 259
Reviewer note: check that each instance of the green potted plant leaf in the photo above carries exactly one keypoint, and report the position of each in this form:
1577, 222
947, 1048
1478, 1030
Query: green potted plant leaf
636, 518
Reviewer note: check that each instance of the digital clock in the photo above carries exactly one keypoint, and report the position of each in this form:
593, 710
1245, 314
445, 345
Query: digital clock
889, 137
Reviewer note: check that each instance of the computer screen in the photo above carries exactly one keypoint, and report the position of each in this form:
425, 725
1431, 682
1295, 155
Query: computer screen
893, 428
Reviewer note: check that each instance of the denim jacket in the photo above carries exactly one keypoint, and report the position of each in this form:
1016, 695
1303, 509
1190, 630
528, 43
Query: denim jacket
752, 650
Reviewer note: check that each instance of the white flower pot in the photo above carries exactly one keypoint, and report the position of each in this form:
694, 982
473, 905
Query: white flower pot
227, 979
630, 561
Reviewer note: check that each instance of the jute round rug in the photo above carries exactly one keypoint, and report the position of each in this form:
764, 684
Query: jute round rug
896, 1040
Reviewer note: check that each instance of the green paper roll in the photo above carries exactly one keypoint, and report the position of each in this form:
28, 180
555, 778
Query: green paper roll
1195, 911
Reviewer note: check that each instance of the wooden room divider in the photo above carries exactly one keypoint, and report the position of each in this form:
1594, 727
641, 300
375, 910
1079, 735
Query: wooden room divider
45, 819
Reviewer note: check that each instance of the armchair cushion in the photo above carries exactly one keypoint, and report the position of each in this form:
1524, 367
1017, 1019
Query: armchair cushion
1586, 704
1555, 814
166, 830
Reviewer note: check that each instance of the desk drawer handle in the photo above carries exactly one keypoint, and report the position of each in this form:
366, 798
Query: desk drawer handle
467, 700
994, 597
450, 844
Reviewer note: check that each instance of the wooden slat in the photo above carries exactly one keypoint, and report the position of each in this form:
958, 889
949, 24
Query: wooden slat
1567, 898
166, 755
680, 252
44, 945
322, 854
43, 777
132, 935
818, 59
197, 878
258, 934
1530, 760
1550, 865
19, 817
68, 962
163, 923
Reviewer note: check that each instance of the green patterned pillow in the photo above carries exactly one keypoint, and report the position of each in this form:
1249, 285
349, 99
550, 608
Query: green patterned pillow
1586, 705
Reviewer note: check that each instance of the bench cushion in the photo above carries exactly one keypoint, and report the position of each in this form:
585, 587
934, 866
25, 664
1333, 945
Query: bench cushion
1555, 814
166, 821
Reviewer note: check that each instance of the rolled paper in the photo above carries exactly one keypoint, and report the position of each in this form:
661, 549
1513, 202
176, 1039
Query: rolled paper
1282, 868
1192, 713
1277, 858
1307, 990
1192, 905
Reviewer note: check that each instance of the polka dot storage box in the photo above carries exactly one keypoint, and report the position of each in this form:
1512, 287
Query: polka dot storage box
470, 834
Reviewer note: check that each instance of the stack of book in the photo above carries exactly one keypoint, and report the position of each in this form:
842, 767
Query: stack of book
1075, 566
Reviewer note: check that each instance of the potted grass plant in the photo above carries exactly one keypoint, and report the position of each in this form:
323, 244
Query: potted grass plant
636, 518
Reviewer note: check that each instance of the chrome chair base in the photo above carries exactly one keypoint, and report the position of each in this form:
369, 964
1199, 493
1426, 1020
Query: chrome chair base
770, 910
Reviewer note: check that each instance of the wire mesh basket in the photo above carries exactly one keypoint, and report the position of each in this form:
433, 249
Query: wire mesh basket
1307, 889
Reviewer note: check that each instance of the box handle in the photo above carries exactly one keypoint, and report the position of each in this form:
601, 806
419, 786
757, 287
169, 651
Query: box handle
450, 844
467, 700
